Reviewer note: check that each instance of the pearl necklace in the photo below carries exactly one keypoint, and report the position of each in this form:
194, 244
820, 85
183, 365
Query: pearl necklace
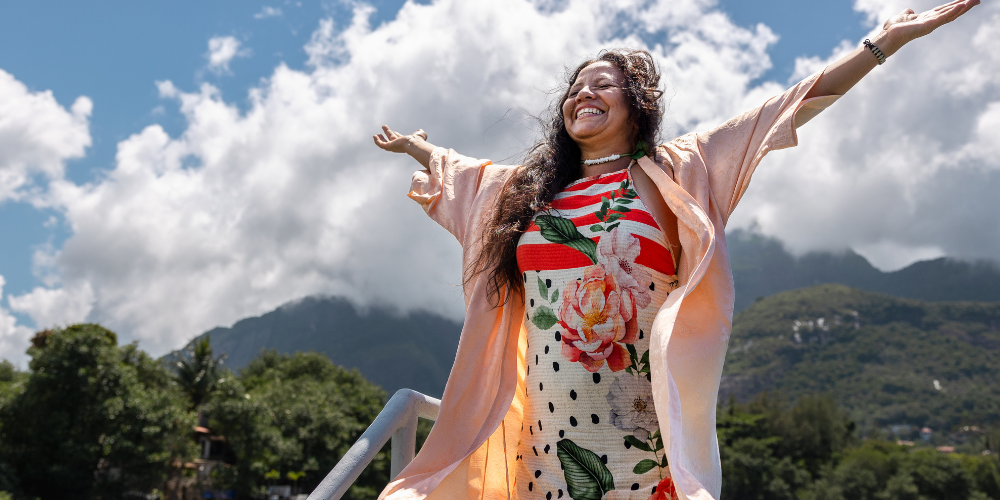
599, 161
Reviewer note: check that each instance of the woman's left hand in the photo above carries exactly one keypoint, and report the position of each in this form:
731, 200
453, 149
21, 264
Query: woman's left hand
909, 25
900, 29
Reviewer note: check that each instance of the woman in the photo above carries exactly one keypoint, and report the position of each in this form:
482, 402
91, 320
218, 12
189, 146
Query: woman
597, 286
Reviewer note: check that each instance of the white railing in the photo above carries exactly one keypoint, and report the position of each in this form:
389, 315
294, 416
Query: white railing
398, 420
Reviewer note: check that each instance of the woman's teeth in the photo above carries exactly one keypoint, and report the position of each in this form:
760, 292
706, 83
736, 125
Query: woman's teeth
589, 111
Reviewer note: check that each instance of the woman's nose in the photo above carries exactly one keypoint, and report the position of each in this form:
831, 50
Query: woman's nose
585, 93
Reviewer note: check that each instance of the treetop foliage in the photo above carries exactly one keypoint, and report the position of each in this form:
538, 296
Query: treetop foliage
93, 420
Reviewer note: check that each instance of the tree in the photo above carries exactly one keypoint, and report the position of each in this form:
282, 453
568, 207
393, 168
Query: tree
751, 467
11, 384
197, 371
93, 420
295, 413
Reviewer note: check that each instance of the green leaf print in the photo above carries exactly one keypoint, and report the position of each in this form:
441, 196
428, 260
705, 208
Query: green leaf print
611, 227
543, 289
544, 318
555, 296
597, 228
632, 355
624, 202
587, 478
644, 466
663, 463
630, 439
562, 231
640, 150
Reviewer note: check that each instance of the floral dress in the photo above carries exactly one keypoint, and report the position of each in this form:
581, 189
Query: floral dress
596, 270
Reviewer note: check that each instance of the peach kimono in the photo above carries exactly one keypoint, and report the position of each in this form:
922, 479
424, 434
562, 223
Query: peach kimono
471, 450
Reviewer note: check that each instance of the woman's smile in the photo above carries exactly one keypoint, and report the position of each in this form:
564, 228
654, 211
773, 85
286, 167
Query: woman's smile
588, 111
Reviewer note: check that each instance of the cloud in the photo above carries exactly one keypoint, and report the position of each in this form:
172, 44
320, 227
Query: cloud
906, 165
13, 337
267, 11
37, 136
222, 50
55, 306
246, 210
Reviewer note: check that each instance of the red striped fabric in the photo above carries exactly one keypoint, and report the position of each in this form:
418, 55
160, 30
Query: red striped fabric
534, 253
640, 216
582, 184
553, 256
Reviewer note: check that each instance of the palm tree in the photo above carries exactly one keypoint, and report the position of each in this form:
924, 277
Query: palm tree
198, 370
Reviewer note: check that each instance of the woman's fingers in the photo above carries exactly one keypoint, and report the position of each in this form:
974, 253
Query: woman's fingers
918, 25
389, 133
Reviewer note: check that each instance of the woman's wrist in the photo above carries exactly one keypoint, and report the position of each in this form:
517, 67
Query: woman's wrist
888, 41
415, 143
418, 148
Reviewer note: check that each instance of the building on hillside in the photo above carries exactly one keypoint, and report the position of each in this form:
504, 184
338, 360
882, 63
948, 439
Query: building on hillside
926, 433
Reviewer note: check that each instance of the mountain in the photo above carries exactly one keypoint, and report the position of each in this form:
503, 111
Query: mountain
416, 350
762, 267
889, 361
393, 350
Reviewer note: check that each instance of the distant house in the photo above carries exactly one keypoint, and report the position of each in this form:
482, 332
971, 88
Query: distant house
213, 448
926, 433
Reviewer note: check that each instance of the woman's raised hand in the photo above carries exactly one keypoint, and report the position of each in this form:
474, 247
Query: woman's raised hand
415, 144
909, 25
902, 28
391, 140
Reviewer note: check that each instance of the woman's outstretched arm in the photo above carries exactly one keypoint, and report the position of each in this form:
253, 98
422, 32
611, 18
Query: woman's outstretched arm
415, 144
899, 30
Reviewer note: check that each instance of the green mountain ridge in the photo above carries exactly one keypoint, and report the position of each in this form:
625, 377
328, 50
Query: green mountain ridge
413, 350
416, 350
889, 361
762, 267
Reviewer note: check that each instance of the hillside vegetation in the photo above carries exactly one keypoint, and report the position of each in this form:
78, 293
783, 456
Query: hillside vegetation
888, 361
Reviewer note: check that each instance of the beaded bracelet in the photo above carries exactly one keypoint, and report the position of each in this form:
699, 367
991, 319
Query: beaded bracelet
875, 50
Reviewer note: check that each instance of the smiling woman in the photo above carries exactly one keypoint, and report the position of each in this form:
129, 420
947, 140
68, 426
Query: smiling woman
598, 291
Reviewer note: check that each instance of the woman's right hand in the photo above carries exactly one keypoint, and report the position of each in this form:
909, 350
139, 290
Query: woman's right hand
391, 140
415, 144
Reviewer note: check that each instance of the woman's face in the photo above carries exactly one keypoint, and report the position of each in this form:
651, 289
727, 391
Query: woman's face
596, 111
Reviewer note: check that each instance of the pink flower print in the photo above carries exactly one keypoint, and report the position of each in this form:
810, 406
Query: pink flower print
591, 313
617, 251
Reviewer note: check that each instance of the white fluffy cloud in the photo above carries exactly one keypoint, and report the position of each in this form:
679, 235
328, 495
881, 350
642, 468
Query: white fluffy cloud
37, 136
222, 50
13, 337
906, 165
247, 210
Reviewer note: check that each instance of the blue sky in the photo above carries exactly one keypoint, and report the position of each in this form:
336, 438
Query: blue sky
242, 184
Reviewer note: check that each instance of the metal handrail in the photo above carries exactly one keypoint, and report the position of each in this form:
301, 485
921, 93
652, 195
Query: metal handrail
397, 420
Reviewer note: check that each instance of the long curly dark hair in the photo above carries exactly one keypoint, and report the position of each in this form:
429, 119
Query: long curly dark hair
555, 162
